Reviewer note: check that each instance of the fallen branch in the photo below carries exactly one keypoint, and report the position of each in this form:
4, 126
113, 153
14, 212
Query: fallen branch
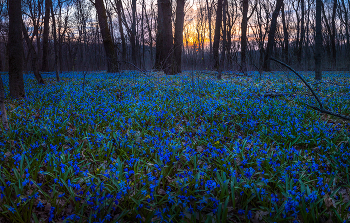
302, 79
321, 108
347, 118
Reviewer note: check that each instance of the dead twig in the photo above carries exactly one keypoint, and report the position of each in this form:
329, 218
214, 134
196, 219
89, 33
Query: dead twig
321, 108
347, 118
302, 79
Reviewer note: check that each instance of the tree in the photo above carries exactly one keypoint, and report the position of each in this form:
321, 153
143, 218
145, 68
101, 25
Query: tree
15, 49
286, 36
271, 37
209, 13
112, 62
133, 33
118, 7
217, 31
346, 24
224, 42
302, 32
57, 66
318, 41
244, 26
34, 55
178, 36
45, 65
334, 30
164, 39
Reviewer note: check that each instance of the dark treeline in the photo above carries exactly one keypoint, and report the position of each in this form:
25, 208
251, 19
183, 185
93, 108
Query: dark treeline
71, 35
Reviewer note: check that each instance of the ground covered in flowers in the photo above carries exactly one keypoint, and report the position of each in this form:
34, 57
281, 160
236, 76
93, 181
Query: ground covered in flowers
137, 147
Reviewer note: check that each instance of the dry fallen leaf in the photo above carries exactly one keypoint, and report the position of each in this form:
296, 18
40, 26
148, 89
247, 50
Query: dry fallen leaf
161, 192
260, 214
200, 149
48, 207
169, 179
329, 202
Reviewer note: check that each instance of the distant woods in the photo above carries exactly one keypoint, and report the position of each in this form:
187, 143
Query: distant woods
172, 35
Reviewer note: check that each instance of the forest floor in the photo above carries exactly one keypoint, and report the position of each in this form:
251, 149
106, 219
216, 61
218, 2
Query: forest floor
132, 147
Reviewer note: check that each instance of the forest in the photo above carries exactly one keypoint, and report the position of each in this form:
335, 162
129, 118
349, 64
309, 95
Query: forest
174, 111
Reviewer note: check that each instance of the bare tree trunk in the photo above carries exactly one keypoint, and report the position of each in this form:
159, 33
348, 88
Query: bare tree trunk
159, 37
168, 37
121, 29
110, 21
318, 41
4, 119
45, 65
133, 33
217, 35
271, 38
57, 66
178, 36
229, 41
346, 15
307, 43
143, 34
112, 62
244, 26
224, 33
33, 54
164, 37
209, 9
60, 35
329, 30
286, 36
333, 35
302, 31
149, 26
15, 48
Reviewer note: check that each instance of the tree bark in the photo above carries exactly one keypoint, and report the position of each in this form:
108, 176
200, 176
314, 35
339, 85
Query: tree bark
164, 37
133, 33
302, 31
34, 55
143, 34
159, 37
271, 37
57, 66
178, 36
217, 35
112, 62
244, 26
318, 41
121, 29
168, 37
224, 33
346, 15
329, 30
334, 28
149, 28
209, 9
15, 48
45, 65
286, 36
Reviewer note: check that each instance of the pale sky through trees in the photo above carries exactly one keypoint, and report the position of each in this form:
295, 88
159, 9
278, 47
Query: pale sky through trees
77, 23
